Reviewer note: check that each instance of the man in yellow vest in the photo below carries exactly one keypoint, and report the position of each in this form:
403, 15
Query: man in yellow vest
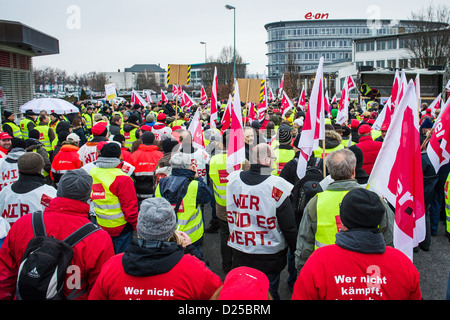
9, 126
27, 124
89, 119
46, 134
284, 152
332, 142
114, 197
186, 192
321, 221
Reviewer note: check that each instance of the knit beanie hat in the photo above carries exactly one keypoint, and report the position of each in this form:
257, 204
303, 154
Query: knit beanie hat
30, 163
148, 138
156, 220
361, 208
284, 134
18, 143
169, 145
75, 184
7, 114
111, 150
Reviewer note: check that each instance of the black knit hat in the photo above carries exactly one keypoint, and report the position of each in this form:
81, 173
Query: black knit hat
362, 209
111, 150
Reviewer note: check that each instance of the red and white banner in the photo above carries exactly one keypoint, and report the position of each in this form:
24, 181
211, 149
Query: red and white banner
302, 100
186, 100
236, 142
148, 96
384, 117
438, 148
204, 98
271, 96
196, 130
397, 173
280, 91
163, 97
344, 101
174, 90
327, 105
286, 104
314, 124
436, 104
251, 112
213, 103
226, 118
137, 99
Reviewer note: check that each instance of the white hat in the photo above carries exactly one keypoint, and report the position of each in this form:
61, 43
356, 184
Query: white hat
73, 137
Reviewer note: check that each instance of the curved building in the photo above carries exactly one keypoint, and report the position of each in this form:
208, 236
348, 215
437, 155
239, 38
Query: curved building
298, 45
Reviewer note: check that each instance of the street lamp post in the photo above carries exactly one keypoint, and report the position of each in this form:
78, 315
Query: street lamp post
202, 42
234, 46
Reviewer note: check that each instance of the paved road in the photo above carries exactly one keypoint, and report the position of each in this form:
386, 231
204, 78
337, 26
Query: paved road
433, 265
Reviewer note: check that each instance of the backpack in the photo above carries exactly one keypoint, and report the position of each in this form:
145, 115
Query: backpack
306, 188
43, 267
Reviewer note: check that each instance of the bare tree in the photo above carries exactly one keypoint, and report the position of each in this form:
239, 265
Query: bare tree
430, 43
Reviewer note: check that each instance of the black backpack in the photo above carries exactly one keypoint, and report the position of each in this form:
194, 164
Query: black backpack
306, 188
43, 268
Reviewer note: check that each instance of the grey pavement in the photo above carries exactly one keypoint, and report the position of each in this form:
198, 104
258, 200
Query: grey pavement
433, 265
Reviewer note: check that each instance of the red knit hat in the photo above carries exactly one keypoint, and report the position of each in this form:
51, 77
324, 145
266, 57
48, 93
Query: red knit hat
244, 283
161, 117
364, 129
99, 128
354, 123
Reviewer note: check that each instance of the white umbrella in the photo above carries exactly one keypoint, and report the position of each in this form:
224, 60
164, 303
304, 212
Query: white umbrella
51, 105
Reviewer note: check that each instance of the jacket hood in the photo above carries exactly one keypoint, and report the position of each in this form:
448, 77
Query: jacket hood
360, 240
332, 139
15, 153
171, 187
159, 125
150, 258
105, 162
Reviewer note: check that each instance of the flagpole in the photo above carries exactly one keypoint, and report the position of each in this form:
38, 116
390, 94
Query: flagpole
323, 159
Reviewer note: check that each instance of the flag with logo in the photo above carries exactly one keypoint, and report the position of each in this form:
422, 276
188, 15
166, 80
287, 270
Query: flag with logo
397, 173
327, 105
436, 104
186, 100
213, 103
148, 96
302, 100
251, 112
384, 117
280, 91
286, 104
137, 99
438, 148
204, 97
314, 123
196, 130
236, 142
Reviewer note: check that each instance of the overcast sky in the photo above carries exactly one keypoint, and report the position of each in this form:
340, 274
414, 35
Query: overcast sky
106, 35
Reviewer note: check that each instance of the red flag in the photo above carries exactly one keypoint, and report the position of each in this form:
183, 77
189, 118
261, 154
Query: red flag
334, 99
174, 90
226, 118
148, 96
271, 96
137, 99
236, 142
280, 91
344, 101
204, 98
302, 100
196, 130
163, 97
251, 112
213, 103
350, 83
438, 148
397, 174
327, 105
436, 104
384, 117
314, 124
180, 91
395, 89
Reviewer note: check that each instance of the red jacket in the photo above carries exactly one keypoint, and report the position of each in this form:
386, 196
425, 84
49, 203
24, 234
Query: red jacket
370, 150
334, 273
145, 159
189, 279
62, 217
66, 159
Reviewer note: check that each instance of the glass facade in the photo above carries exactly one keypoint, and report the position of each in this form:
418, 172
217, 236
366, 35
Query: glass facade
298, 45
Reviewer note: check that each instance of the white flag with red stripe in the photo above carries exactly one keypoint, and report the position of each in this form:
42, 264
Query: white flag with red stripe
174, 90
204, 97
280, 91
286, 104
186, 100
438, 148
344, 102
397, 173
327, 105
148, 96
302, 100
137, 99
213, 103
447, 86
384, 117
251, 112
236, 142
271, 96
196, 130
436, 104
314, 123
